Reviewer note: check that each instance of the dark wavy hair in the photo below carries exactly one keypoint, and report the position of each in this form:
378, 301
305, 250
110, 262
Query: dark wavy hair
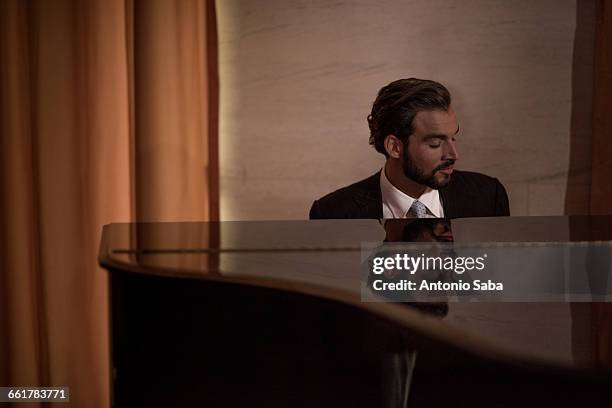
398, 103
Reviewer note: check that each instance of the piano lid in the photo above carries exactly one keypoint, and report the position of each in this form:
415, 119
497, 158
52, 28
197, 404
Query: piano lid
323, 258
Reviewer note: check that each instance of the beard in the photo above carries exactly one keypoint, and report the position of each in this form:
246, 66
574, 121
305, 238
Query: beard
415, 173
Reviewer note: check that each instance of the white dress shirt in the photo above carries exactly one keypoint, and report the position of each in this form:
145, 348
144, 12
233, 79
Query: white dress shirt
396, 203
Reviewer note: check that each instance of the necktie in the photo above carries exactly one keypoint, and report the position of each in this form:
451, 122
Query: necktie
417, 210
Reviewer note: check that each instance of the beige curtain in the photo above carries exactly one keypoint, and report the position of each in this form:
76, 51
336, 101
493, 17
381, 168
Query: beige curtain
108, 112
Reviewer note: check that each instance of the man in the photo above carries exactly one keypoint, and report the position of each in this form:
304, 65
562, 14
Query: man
414, 125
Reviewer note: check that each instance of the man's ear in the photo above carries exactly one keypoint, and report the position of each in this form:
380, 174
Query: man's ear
393, 146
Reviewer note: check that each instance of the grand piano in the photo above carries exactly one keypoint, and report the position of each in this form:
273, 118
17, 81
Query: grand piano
279, 314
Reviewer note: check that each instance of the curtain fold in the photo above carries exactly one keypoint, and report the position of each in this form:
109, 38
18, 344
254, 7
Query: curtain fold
601, 187
171, 115
105, 117
22, 341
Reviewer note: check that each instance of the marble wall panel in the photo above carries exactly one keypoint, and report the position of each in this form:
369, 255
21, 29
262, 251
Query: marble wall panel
298, 79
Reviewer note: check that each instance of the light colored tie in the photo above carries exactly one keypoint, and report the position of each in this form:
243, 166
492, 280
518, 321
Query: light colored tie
417, 210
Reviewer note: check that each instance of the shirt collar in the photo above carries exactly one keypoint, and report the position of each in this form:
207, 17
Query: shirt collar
396, 203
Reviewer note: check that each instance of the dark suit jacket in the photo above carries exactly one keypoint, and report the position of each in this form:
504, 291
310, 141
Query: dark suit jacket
468, 194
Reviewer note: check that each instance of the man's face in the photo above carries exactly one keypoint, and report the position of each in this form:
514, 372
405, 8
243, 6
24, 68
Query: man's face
430, 152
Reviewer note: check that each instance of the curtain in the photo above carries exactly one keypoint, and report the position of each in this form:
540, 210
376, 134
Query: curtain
108, 113
601, 187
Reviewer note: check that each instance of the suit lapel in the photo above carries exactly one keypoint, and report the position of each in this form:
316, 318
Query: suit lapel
369, 198
448, 204
452, 199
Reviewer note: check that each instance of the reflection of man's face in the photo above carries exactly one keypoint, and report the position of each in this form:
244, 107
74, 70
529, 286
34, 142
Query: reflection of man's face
441, 230
430, 152
428, 230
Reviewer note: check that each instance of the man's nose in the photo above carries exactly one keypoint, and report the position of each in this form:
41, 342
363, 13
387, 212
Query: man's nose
451, 151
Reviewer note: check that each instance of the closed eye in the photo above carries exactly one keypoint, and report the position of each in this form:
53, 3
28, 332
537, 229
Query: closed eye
435, 140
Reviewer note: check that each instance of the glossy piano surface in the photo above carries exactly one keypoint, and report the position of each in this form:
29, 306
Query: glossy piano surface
321, 260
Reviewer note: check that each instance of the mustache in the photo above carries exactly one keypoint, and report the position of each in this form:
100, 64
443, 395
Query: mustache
444, 165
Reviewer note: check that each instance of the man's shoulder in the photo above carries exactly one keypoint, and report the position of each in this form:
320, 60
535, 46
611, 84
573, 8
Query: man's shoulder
471, 194
365, 186
357, 200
